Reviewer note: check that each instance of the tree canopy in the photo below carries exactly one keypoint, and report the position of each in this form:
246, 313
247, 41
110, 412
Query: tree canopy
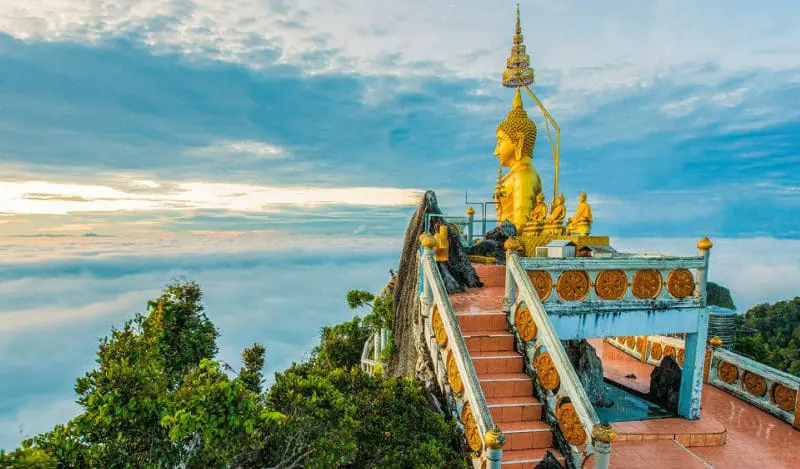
777, 342
158, 399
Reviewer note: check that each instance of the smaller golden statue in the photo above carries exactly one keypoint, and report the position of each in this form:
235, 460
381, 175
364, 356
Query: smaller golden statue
538, 216
441, 253
554, 223
581, 223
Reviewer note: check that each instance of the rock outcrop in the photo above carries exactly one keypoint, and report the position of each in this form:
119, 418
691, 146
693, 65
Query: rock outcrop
665, 384
589, 368
549, 462
492, 244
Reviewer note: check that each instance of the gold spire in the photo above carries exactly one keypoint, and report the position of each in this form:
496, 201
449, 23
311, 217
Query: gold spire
518, 72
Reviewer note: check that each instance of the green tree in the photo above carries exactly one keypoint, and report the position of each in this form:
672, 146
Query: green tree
777, 342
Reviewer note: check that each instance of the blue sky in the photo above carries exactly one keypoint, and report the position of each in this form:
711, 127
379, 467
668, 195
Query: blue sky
246, 143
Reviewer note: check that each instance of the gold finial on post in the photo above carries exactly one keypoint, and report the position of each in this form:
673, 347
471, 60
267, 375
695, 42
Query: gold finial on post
427, 240
494, 438
704, 244
715, 341
604, 433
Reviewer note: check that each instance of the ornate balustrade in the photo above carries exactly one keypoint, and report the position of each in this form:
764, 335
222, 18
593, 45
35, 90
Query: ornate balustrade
371, 353
651, 349
568, 407
762, 386
454, 371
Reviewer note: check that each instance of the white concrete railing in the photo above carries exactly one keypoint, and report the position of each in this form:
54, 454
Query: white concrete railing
556, 378
371, 353
455, 370
771, 390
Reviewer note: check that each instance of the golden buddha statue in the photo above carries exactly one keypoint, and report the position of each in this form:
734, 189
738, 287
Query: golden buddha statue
517, 190
554, 223
581, 222
538, 216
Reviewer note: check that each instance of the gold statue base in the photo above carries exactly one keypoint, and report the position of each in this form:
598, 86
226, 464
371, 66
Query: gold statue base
531, 241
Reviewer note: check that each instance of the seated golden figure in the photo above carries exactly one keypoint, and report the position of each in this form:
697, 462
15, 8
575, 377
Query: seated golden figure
581, 222
554, 223
517, 190
441, 252
538, 216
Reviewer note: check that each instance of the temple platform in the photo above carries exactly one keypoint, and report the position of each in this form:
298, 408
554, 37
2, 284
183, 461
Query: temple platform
730, 434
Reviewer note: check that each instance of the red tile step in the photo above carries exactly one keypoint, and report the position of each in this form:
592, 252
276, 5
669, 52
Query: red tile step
514, 409
506, 384
482, 321
489, 341
528, 458
533, 434
497, 362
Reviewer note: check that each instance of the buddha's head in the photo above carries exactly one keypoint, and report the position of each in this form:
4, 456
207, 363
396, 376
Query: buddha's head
561, 199
516, 135
582, 197
539, 198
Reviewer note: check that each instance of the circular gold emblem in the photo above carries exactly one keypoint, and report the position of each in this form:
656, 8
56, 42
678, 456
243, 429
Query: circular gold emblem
526, 326
570, 424
546, 371
542, 282
754, 384
784, 397
727, 372
680, 283
453, 376
573, 285
680, 357
641, 345
438, 327
669, 350
647, 284
611, 284
655, 351
471, 429
630, 342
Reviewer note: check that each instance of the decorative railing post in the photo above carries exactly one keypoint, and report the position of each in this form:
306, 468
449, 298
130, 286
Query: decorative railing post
428, 243
494, 440
602, 436
470, 219
704, 248
512, 245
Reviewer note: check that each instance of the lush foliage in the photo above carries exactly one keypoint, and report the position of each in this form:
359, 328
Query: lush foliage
158, 399
718, 295
777, 342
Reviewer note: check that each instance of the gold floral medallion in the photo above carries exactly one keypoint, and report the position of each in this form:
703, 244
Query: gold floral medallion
669, 351
754, 384
453, 376
727, 372
785, 398
542, 283
656, 351
641, 344
611, 284
680, 357
570, 424
438, 327
647, 284
573, 285
546, 371
630, 342
680, 283
526, 326
471, 429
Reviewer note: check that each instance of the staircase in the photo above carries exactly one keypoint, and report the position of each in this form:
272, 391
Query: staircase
508, 390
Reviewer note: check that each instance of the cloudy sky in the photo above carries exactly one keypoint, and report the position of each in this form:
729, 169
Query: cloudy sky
268, 148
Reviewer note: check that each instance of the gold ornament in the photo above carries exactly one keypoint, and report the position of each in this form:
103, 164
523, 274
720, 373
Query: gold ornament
631, 342
542, 282
647, 284
471, 429
546, 371
512, 244
680, 283
604, 433
526, 326
727, 372
669, 351
656, 352
573, 285
438, 327
453, 376
704, 244
494, 438
427, 240
570, 424
715, 341
680, 357
754, 384
784, 397
611, 284
641, 345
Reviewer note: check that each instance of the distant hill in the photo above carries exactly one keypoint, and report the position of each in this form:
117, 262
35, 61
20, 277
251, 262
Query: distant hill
719, 296
777, 342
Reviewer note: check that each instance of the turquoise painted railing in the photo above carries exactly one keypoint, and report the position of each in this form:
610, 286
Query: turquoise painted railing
454, 368
767, 388
568, 406
466, 226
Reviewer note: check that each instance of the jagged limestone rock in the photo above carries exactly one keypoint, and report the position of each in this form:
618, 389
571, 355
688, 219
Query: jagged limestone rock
665, 384
493, 243
549, 462
719, 296
589, 368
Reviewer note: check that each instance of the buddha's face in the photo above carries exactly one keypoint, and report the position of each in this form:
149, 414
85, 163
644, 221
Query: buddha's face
582, 197
540, 198
506, 149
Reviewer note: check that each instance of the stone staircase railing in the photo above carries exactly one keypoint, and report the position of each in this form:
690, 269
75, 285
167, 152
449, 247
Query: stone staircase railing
455, 371
767, 388
568, 407
371, 353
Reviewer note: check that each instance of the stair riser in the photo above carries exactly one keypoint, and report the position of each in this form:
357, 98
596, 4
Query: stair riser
516, 413
482, 322
528, 440
498, 365
490, 343
523, 388
525, 465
